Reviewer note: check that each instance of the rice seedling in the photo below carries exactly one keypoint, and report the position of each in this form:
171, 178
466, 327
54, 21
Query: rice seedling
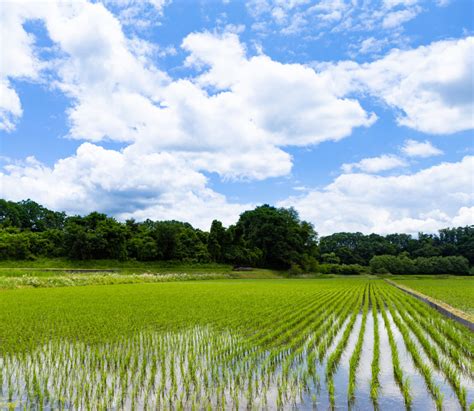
375, 365
402, 381
334, 357
213, 345
425, 369
355, 357
431, 352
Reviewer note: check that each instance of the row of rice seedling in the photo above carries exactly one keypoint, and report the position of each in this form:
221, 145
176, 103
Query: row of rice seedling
402, 381
375, 365
403, 320
457, 356
355, 357
456, 341
460, 336
424, 368
335, 356
284, 355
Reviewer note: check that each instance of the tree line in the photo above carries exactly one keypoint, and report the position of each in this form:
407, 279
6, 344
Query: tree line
264, 237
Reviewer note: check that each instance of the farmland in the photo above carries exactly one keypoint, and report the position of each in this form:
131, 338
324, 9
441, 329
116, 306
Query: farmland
456, 291
231, 344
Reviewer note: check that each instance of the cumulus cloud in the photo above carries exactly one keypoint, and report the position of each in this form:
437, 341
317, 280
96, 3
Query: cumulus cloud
290, 104
134, 102
156, 185
433, 198
234, 115
174, 129
413, 148
17, 61
375, 164
431, 85
384, 162
236, 104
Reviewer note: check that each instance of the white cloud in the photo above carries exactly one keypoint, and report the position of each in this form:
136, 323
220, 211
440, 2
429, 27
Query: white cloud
289, 103
397, 18
10, 106
430, 85
372, 45
17, 61
465, 217
375, 164
215, 122
157, 185
158, 5
137, 14
234, 117
413, 148
326, 17
428, 200
390, 4
231, 119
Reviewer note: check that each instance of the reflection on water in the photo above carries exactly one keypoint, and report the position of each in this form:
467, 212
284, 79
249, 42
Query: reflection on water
208, 369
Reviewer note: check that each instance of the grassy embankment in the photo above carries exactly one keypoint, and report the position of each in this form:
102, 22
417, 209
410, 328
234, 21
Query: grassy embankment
60, 272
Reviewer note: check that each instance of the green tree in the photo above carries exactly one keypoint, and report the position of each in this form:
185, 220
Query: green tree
279, 234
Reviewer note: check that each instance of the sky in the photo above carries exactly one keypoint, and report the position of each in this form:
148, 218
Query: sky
359, 114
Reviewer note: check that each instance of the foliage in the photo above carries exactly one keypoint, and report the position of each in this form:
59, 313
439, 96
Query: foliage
344, 269
383, 264
357, 248
28, 215
267, 237
280, 235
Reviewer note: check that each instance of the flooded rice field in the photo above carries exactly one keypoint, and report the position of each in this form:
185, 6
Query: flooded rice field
368, 347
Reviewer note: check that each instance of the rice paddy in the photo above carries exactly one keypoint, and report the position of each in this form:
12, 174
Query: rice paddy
234, 344
456, 291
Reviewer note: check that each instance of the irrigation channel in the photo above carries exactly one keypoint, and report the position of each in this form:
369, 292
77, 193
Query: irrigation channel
368, 346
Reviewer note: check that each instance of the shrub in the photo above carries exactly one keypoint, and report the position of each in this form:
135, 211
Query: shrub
295, 269
382, 264
344, 269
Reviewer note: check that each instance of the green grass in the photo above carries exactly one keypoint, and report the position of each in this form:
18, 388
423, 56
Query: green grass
45, 280
59, 272
220, 344
455, 291
120, 266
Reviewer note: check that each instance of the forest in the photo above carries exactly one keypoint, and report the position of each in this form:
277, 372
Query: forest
266, 237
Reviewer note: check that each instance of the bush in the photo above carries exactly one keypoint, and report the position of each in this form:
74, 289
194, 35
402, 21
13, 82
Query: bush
295, 269
330, 258
344, 269
351, 269
382, 264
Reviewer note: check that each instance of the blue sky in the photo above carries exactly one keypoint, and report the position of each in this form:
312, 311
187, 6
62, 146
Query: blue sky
358, 114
